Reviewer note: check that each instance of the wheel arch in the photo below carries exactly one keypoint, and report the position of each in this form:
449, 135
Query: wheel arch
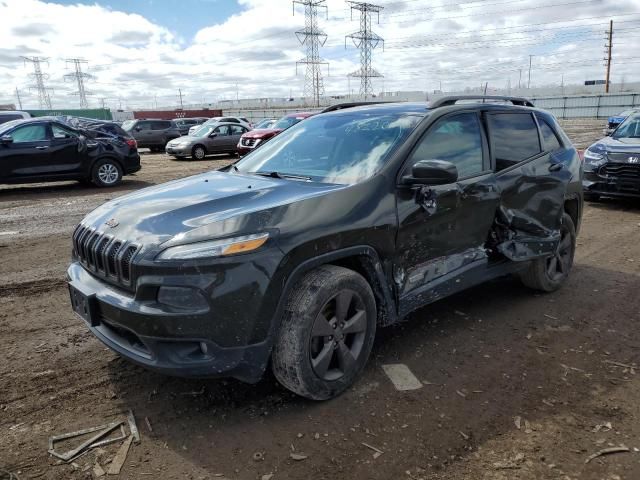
106, 156
199, 145
573, 207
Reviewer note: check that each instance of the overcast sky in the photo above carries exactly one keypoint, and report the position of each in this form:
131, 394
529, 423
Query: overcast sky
144, 51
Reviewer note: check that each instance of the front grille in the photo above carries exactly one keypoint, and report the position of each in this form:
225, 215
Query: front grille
249, 142
105, 256
623, 171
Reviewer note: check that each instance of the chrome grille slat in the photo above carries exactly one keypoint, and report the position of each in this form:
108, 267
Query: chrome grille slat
105, 256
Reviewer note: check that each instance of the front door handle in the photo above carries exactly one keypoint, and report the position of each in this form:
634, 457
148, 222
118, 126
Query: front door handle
42, 148
554, 167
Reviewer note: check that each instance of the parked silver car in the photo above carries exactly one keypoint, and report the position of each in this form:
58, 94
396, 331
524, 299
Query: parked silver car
208, 139
215, 120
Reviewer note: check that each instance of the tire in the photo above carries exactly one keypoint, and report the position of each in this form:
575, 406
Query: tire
313, 355
548, 274
106, 173
198, 152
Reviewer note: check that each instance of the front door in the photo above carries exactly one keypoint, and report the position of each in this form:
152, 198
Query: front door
443, 228
221, 140
28, 155
66, 150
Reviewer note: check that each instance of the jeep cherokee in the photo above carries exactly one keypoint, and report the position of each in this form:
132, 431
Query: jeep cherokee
343, 223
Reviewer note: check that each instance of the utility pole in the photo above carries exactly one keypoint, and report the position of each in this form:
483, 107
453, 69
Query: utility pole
18, 97
180, 94
609, 47
313, 38
79, 76
43, 95
529, 82
366, 41
520, 79
102, 104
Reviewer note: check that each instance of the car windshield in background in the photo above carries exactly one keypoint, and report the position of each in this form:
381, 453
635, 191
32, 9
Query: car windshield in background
630, 128
267, 123
128, 124
286, 122
345, 148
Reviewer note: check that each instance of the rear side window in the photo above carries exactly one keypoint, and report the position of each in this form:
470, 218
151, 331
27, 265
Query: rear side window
514, 137
30, 133
60, 132
551, 142
231, 120
456, 139
7, 117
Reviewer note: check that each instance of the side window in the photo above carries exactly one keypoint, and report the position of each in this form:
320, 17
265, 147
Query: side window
551, 142
30, 133
160, 125
60, 133
237, 130
144, 125
222, 130
456, 139
231, 120
514, 137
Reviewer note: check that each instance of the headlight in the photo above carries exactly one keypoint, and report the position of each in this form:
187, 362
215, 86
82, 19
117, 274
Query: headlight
595, 153
215, 248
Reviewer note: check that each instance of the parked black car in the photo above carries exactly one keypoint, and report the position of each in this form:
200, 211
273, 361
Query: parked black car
612, 165
152, 134
343, 223
43, 149
184, 124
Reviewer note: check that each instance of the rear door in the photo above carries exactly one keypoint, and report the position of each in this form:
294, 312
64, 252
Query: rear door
532, 184
443, 228
28, 155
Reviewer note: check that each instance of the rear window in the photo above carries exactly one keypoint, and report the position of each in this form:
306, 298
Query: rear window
7, 117
514, 138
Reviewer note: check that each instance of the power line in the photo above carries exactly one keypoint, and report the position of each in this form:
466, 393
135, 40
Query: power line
79, 76
366, 40
43, 95
313, 38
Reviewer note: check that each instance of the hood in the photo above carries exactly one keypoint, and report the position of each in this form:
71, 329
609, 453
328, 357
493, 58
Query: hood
184, 138
622, 145
262, 133
199, 207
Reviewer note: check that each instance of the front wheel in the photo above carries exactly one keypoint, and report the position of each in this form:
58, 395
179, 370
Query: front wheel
198, 152
106, 173
548, 274
326, 333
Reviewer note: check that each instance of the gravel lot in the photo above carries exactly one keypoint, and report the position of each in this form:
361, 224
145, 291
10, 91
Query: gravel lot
561, 366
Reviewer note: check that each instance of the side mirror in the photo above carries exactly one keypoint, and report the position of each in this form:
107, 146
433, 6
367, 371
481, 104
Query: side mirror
432, 172
213, 134
6, 139
137, 129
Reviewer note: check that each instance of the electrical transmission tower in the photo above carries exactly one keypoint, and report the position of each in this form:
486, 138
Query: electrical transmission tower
366, 41
313, 38
43, 95
79, 76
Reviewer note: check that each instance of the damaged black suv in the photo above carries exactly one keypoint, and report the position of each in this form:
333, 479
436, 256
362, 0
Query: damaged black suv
344, 223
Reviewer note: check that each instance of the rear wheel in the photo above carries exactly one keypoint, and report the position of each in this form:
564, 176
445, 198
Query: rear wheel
106, 173
198, 152
548, 274
326, 333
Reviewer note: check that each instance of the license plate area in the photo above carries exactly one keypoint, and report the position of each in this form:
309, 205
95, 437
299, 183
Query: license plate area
84, 305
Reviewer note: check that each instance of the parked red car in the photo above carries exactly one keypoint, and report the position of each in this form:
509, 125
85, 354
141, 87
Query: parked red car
253, 138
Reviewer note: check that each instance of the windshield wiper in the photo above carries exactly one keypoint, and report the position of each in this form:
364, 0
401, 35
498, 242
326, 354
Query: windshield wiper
275, 174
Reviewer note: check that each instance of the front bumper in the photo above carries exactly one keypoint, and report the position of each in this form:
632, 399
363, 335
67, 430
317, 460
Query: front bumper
178, 151
174, 341
597, 184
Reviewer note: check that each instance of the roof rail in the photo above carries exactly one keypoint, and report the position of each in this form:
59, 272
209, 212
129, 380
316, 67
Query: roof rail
342, 106
446, 101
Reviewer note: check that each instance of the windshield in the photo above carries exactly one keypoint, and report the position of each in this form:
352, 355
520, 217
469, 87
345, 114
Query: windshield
630, 128
128, 124
345, 148
286, 122
266, 123
203, 131
5, 127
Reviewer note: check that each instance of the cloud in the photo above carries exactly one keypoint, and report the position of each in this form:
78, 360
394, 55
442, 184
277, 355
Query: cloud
252, 53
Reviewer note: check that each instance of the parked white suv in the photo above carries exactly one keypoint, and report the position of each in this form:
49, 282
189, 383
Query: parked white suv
8, 115
239, 120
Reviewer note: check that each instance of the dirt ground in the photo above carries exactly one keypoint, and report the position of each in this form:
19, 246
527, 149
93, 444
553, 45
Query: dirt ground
517, 385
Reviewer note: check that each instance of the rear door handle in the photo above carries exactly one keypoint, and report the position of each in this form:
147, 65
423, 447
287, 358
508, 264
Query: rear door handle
554, 167
42, 148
